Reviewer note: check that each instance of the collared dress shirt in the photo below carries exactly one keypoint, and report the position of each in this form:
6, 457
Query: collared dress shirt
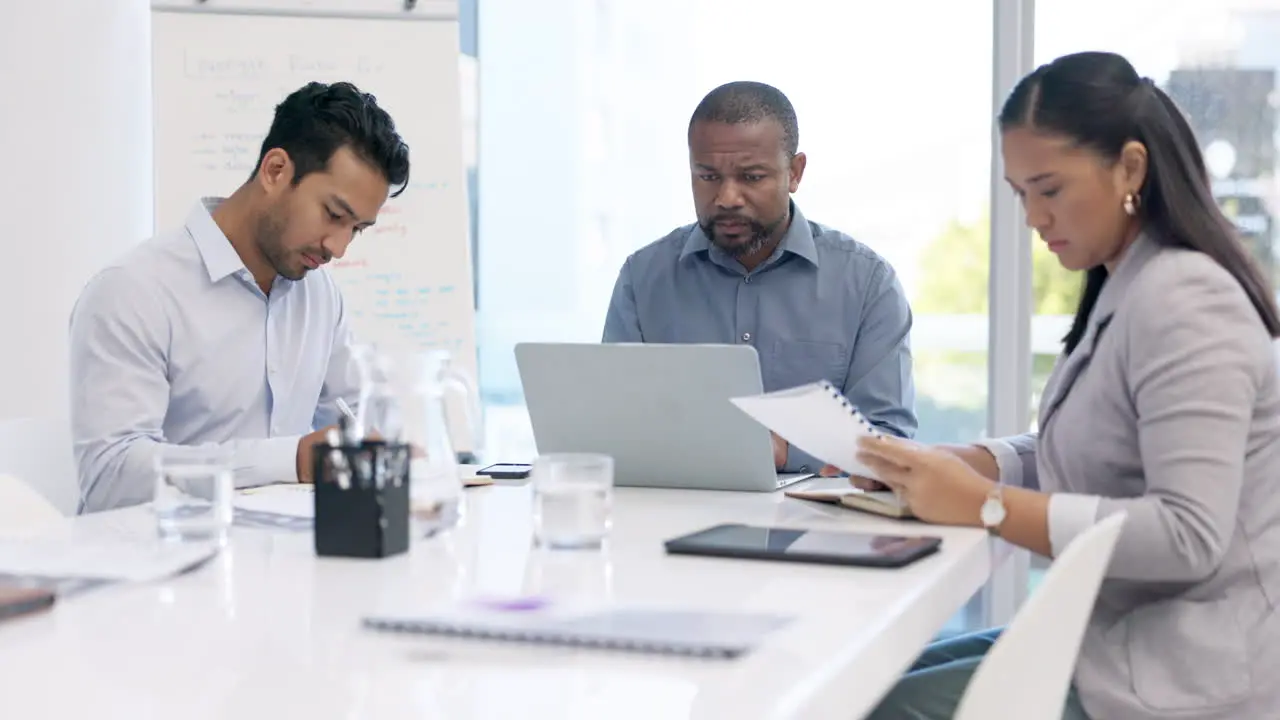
176, 345
822, 306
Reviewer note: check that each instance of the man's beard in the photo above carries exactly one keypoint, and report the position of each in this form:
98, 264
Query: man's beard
757, 236
270, 236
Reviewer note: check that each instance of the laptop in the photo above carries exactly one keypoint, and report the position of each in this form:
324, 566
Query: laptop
661, 411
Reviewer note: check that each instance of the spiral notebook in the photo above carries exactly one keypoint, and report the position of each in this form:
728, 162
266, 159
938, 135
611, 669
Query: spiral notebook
697, 633
817, 419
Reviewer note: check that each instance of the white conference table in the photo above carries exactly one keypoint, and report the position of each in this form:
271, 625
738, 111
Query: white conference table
268, 630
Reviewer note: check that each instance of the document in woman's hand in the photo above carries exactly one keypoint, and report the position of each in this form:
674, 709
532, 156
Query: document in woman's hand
817, 419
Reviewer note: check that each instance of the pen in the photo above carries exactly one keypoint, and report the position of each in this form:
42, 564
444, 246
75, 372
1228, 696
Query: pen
352, 432
345, 409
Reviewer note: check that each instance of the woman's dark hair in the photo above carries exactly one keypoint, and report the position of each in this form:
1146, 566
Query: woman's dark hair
1098, 100
317, 119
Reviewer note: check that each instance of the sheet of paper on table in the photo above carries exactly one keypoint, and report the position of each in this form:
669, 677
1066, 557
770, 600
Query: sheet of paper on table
291, 506
71, 557
292, 499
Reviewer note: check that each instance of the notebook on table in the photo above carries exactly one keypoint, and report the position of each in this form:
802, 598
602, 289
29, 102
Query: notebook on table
819, 420
880, 502
697, 633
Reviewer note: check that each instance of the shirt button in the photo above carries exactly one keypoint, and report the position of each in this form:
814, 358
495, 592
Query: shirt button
747, 279
746, 337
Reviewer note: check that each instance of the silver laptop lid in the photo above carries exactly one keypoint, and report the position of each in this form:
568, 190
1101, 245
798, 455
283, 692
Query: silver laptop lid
662, 411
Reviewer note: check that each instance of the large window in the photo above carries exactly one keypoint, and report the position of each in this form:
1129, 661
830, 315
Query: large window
584, 110
1218, 59
590, 164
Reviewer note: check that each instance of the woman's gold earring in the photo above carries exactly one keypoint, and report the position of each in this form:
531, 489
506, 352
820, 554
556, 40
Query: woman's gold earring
1130, 204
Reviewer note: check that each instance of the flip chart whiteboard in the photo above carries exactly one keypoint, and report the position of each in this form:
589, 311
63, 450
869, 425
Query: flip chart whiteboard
219, 69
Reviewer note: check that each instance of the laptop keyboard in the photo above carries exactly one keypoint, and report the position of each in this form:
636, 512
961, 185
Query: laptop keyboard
785, 479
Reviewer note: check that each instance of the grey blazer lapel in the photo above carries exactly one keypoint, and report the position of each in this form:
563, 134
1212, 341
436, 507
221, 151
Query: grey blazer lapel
1072, 366
1113, 291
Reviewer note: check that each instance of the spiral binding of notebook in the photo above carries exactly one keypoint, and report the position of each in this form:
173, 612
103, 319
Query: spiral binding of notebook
692, 634
807, 419
844, 402
535, 637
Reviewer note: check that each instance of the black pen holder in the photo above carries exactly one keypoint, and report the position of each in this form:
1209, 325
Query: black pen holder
362, 499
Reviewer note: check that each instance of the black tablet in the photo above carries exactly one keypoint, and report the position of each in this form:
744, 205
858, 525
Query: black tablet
831, 547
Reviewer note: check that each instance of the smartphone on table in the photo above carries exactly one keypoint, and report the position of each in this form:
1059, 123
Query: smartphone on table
507, 471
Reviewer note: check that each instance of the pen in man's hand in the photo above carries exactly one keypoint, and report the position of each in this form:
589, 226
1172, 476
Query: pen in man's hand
345, 409
351, 428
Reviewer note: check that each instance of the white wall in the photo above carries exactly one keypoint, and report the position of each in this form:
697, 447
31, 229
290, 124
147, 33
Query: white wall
75, 175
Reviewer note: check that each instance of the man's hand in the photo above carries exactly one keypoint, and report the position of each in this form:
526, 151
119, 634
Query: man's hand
305, 444
855, 480
779, 450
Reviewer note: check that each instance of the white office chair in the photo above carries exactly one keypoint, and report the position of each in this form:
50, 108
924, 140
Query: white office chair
1027, 672
38, 452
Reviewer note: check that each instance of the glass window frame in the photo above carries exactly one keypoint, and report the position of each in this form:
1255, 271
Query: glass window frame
1010, 300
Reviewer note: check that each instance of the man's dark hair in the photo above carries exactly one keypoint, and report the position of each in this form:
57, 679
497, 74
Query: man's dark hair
317, 119
1098, 101
750, 102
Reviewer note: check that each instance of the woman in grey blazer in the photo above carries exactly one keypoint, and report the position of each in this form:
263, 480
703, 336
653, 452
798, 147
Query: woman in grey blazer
1164, 404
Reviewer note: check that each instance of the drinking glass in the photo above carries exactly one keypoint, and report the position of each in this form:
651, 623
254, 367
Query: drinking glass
572, 500
193, 487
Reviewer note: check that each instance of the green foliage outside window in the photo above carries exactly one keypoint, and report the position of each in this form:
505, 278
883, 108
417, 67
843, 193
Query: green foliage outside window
951, 397
954, 271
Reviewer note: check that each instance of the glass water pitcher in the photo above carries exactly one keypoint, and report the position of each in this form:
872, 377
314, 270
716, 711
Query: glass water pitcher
439, 387
421, 399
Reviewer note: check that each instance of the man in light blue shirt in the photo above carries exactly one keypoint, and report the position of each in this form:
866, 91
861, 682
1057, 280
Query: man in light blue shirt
815, 303
227, 331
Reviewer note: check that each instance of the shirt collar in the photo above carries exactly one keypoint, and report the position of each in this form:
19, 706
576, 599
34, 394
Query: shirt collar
798, 241
220, 258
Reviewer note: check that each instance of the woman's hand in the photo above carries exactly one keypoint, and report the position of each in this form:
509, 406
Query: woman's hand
937, 485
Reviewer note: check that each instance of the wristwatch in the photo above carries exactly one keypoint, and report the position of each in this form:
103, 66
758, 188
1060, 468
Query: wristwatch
993, 512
